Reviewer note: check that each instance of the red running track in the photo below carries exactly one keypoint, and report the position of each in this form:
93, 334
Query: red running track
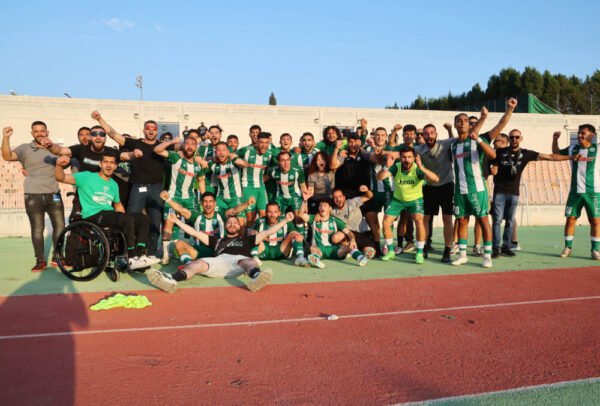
374, 359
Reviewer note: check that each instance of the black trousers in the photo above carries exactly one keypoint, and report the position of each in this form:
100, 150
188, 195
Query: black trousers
134, 226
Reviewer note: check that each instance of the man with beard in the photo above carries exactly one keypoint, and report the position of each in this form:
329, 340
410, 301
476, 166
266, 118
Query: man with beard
207, 153
232, 256
304, 156
253, 133
185, 171
409, 175
42, 194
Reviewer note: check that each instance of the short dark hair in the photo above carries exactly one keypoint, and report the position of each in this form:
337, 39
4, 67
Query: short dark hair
308, 134
381, 129
221, 143
588, 127
255, 127
409, 127
232, 136
207, 194
167, 134
273, 203
263, 136
283, 153
285, 135
38, 123
150, 122
406, 148
192, 131
337, 189
217, 126
502, 135
471, 117
108, 152
82, 129
429, 126
95, 127
327, 200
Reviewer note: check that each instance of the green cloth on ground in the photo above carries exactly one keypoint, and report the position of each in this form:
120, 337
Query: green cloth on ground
121, 300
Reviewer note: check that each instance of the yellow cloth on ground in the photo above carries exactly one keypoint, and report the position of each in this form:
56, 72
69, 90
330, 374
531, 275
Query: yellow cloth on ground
121, 300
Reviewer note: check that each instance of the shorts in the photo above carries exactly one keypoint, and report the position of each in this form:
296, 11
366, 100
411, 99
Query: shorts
436, 197
396, 207
380, 200
329, 251
189, 204
576, 201
224, 266
259, 194
286, 205
271, 253
475, 204
225, 204
202, 251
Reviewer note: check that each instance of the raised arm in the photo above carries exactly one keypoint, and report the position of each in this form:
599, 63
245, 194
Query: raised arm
112, 133
482, 117
199, 235
429, 175
260, 237
448, 128
59, 170
368, 193
161, 149
334, 162
385, 171
393, 141
58, 150
555, 147
186, 213
489, 152
7, 153
234, 211
510, 107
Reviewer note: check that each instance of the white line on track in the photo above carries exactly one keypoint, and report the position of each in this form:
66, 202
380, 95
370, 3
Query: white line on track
295, 320
476, 396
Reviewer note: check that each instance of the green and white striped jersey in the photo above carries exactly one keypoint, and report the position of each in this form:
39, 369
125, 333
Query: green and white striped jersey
273, 240
252, 176
585, 174
380, 186
207, 152
323, 230
183, 175
302, 160
288, 184
211, 226
227, 176
468, 171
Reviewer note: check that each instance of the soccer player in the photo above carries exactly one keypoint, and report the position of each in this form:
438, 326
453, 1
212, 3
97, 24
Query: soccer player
233, 142
585, 188
303, 158
409, 175
279, 245
207, 153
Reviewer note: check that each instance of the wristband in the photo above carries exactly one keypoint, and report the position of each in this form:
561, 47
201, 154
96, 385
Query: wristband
479, 140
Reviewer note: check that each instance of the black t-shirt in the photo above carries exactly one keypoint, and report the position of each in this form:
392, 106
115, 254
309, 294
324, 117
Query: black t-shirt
232, 245
507, 180
149, 168
88, 159
353, 173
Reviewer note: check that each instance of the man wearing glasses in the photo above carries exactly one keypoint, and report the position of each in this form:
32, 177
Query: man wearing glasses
507, 168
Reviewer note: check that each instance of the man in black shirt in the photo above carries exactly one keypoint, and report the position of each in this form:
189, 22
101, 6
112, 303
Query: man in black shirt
147, 176
232, 256
507, 168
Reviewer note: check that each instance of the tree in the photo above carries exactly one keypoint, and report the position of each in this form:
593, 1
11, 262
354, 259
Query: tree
272, 100
532, 81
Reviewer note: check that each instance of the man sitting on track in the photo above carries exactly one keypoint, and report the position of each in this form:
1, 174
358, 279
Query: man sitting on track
279, 245
233, 256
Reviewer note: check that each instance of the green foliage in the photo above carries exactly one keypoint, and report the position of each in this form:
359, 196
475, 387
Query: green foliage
569, 95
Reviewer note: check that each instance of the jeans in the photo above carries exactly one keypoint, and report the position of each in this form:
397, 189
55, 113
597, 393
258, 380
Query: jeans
148, 197
504, 208
134, 226
36, 206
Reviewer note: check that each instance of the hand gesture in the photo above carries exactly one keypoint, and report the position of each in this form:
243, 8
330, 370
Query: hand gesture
310, 191
46, 142
473, 135
397, 127
289, 216
556, 135
137, 153
418, 161
338, 144
389, 162
96, 115
165, 195
251, 201
344, 153
484, 112
363, 188
297, 150
370, 142
7, 132
175, 140
448, 126
318, 218
363, 122
63, 161
512, 103
201, 162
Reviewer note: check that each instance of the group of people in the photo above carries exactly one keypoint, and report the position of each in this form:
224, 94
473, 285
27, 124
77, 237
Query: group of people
220, 209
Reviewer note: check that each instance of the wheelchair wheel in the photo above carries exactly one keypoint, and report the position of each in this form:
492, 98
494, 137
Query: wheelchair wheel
82, 251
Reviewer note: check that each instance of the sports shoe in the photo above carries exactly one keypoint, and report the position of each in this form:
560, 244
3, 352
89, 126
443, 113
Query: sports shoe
370, 252
595, 255
257, 260
398, 250
446, 255
301, 261
112, 274
409, 247
316, 261
460, 261
429, 248
507, 251
260, 281
142, 262
389, 256
515, 246
363, 260
495, 252
477, 250
419, 258
454, 249
487, 262
162, 281
165, 261
39, 266
566, 252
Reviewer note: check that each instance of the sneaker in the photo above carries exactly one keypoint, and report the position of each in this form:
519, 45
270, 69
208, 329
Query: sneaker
316, 261
363, 260
495, 252
142, 262
595, 255
477, 250
409, 247
425, 254
454, 249
301, 261
260, 281
429, 248
487, 262
112, 274
460, 261
39, 266
370, 252
507, 251
419, 259
398, 250
389, 256
165, 261
566, 252
162, 281
257, 260
515, 246
446, 255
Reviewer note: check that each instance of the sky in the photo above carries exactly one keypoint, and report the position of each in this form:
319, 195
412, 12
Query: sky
310, 53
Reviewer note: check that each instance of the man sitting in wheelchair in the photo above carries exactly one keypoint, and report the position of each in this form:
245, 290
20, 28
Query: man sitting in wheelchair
99, 197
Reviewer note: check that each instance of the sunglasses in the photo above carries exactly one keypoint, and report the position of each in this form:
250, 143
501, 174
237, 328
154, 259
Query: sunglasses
514, 137
98, 134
